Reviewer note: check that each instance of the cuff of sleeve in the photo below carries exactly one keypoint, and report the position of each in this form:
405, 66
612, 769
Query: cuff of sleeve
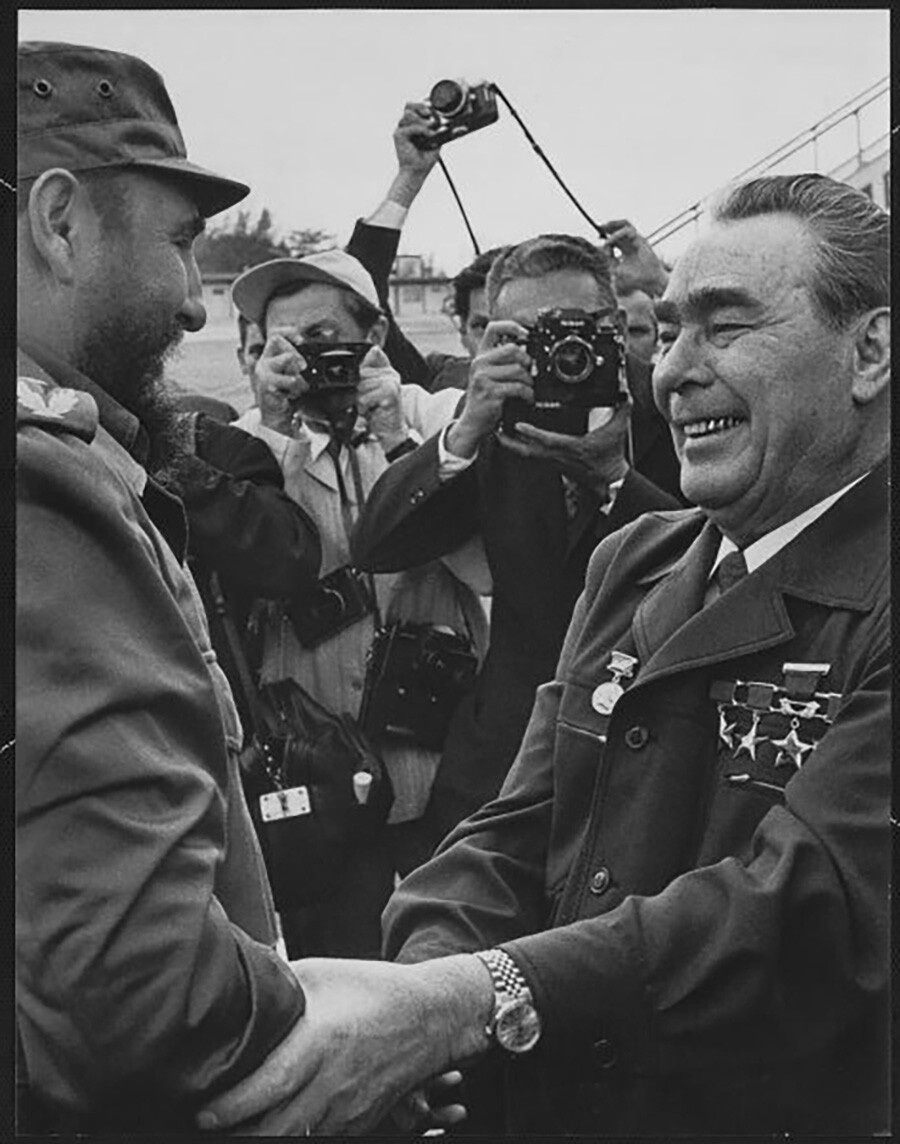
450, 465
589, 994
388, 214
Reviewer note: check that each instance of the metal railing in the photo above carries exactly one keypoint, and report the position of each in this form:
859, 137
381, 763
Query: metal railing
810, 137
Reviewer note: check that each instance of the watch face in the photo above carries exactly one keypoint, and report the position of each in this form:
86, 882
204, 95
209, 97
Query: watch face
518, 1026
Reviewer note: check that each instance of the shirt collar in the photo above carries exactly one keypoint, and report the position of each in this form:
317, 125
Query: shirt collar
757, 553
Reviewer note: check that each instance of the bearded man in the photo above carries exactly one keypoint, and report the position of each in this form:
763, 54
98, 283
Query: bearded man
146, 972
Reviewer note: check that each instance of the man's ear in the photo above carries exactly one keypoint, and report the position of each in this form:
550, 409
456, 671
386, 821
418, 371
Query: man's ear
872, 356
377, 335
55, 201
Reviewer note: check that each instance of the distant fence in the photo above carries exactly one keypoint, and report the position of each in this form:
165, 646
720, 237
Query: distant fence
871, 104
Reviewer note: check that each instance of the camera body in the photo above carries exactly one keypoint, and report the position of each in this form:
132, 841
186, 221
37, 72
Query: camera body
459, 109
332, 366
417, 674
577, 365
332, 374
341, 598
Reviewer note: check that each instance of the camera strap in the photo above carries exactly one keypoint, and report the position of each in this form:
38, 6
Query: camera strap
334, 451
238, 654
601, 232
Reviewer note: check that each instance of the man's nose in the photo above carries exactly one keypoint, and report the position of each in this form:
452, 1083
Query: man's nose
193, 313
678, 365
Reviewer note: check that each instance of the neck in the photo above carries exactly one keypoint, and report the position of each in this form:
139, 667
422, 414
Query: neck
745, 532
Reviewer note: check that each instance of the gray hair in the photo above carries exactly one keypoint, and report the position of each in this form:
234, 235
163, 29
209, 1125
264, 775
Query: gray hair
545, 254
852, 232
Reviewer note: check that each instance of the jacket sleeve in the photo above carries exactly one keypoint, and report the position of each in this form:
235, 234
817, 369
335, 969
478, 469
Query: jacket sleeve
376, 249
132, 984
241, 521
782, 945
411, 517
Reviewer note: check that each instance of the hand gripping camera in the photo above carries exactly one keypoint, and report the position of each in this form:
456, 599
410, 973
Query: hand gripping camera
332, 374
577, 366
459, 110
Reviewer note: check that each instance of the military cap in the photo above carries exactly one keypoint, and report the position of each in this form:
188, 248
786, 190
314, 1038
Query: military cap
84, 108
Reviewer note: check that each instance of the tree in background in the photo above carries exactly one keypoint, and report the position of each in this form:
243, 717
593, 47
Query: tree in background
233, 246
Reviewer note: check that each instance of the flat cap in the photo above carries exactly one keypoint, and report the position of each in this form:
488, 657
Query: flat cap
252, 290
84, 108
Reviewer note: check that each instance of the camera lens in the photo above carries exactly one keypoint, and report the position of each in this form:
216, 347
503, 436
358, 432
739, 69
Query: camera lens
572, 360
448, 97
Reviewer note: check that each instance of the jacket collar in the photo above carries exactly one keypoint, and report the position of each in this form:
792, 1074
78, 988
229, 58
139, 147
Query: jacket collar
122, 425
120, 438
831, 563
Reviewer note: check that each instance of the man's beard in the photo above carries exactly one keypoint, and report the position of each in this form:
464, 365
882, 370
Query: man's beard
125, 354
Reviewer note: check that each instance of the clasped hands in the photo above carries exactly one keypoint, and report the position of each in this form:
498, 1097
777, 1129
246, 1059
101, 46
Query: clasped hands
502, 370
376, 1040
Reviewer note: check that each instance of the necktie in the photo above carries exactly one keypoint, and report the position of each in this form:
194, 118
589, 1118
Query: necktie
732, 569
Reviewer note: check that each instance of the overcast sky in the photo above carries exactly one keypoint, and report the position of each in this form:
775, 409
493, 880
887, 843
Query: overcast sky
643, 112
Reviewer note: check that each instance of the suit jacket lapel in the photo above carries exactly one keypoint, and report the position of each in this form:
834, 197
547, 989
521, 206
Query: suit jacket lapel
829, 562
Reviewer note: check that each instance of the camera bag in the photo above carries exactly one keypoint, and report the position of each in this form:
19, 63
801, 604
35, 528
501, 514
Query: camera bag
316, 788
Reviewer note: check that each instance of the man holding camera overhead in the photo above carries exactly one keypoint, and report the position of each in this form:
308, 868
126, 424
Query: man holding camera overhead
334, 414
541, 498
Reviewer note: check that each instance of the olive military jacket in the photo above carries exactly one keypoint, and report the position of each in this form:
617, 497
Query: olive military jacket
695, 883
144, 974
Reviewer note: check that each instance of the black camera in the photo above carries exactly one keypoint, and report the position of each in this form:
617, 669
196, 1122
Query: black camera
332, 373
332, 366
416, 676
341, 598
577, 366
458, 110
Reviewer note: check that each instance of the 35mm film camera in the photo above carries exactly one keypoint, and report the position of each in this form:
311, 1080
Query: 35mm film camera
417, 675
578, 365
332, 374
459, 109
332, 366
341, 598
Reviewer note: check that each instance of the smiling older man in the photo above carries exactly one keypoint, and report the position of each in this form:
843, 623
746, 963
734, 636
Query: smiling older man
674, 918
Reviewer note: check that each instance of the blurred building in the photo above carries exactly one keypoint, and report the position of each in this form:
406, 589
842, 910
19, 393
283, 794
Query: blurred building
414, 290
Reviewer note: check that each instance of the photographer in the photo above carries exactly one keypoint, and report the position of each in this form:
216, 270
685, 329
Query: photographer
541, 501
332, 443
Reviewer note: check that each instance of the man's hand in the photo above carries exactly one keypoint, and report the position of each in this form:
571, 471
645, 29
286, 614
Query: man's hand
415, 122
595, 460
636, 265
378, 399
371, 1035
279, 383
500, 370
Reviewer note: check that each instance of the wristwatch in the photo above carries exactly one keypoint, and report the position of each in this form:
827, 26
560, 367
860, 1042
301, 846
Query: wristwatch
515, 1023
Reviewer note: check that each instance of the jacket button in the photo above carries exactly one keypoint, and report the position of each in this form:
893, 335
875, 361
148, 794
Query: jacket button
637, 737
418, 496
600, 881
604, 1053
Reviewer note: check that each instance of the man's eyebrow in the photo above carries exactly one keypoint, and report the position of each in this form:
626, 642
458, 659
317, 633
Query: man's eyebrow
700, 303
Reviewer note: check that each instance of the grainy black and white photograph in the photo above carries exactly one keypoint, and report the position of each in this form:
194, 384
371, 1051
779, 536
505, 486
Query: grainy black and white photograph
452, 639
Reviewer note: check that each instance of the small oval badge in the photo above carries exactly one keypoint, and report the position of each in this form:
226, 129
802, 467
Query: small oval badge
606, 696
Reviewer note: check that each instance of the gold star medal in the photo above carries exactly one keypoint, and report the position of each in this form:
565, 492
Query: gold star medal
791, 748
607, 695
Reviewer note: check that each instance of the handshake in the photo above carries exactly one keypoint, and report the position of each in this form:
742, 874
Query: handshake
373, 1047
